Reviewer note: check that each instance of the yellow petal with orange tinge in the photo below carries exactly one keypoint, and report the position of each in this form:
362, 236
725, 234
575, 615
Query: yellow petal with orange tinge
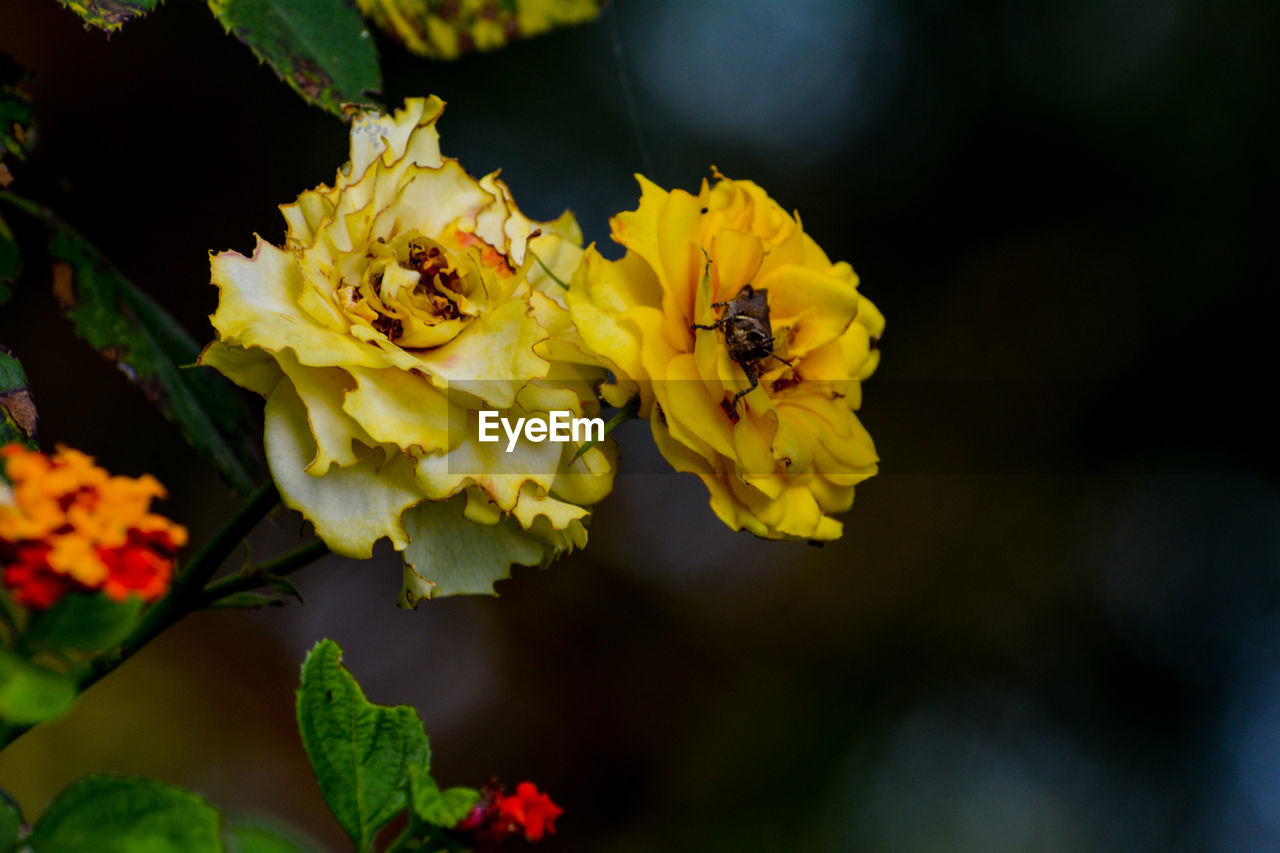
381, 490
490, 221
268, 283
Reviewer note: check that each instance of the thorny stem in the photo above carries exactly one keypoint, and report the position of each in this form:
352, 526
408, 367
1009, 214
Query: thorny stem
185, 594
191, 590
264, 573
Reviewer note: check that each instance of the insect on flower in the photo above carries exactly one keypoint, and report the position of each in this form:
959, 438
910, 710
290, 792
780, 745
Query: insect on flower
748, 334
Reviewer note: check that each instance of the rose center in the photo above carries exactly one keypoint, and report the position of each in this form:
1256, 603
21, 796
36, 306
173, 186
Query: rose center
414, 291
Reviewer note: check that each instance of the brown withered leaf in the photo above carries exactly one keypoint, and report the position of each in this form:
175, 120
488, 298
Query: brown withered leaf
17, 409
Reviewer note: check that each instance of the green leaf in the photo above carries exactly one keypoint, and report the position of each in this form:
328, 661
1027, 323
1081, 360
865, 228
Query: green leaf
114, 814
10, 819
17, 411
361, 753
248, 601
30, 693
254, 836
449, 30
109, 15
449, 554
10, 262
282, 585
86, 623
319, 47
440, 808
17, 135
128, 328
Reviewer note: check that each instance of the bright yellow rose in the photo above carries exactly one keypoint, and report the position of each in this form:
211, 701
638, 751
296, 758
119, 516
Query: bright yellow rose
782, 458
408, 298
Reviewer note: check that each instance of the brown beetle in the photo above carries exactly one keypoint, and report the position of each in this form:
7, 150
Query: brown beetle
747, 333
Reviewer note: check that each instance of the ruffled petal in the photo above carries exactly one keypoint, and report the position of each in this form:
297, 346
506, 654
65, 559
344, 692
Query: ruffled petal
449, 554
378, 490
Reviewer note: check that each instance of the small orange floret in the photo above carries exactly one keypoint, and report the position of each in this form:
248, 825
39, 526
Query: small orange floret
66, 525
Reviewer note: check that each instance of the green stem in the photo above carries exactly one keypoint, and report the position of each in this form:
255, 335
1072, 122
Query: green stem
189, 586
186, 594
8, 622
557, 279
401, 841
23, 204
261, 575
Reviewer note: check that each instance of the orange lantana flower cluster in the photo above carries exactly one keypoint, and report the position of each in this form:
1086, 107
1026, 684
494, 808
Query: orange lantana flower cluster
66, 525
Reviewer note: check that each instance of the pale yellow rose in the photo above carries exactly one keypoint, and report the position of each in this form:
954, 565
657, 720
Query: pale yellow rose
406, 299
782, 459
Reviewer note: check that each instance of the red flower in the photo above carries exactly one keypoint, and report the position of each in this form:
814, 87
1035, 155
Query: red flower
531, 810
141, 566
34, 584
498, 816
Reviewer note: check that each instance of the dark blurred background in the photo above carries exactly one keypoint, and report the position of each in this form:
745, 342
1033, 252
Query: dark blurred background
1053, 622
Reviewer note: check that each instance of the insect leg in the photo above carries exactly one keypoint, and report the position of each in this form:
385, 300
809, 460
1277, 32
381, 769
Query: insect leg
754, 375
